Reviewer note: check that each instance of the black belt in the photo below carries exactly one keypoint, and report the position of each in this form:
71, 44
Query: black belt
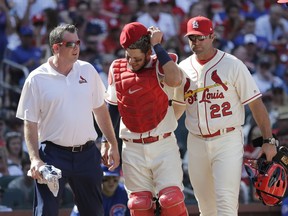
76, 148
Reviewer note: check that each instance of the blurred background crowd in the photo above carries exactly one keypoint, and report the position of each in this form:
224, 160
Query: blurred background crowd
255, 31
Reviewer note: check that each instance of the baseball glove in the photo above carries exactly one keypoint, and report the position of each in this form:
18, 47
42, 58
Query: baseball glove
282, 157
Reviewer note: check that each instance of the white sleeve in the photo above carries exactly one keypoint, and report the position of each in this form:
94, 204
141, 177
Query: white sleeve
111, 96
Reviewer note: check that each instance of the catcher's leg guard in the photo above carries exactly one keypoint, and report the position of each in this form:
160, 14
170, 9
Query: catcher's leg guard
141, 204
171, 200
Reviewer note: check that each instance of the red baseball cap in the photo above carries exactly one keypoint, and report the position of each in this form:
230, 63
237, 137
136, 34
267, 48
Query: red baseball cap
131, 33
282, 1
199, 26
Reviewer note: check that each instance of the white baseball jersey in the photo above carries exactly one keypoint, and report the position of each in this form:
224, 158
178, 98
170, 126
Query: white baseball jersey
216, 93
62, 102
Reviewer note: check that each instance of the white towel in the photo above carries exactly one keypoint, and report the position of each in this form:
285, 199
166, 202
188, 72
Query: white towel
51, 176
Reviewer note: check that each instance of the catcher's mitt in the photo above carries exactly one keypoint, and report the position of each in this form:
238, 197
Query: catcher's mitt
282, 157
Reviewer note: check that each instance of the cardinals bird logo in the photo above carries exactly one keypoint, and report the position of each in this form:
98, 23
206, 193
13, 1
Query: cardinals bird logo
82, 80
218, 80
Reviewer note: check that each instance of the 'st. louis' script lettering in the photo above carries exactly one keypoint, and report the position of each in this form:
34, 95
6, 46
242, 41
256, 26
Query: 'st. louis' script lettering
207, 96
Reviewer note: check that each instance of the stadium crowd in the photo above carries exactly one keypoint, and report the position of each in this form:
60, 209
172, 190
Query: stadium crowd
255, 31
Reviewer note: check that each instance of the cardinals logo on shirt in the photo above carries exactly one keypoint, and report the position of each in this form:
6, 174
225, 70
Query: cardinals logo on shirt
82, 80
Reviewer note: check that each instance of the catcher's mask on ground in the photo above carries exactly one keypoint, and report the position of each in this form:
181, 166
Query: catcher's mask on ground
269, 180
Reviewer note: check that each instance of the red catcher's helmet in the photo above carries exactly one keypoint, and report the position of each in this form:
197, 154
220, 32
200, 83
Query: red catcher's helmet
269, 180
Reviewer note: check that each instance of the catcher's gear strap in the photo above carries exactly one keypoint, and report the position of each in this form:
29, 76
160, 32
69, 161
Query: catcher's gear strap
141, 204
137, 90
263, 201
171, 200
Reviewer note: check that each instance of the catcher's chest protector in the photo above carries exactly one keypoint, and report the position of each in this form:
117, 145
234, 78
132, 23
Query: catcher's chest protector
141, 101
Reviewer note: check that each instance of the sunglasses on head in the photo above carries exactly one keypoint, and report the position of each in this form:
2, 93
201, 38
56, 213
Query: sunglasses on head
70, 43
197, 37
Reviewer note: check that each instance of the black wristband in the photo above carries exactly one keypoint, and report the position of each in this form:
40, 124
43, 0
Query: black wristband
162, 55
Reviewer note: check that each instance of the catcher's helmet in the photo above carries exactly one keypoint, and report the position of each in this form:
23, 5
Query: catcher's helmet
269, 180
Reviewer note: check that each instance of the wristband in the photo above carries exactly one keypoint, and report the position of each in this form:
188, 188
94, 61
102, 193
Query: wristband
162, 55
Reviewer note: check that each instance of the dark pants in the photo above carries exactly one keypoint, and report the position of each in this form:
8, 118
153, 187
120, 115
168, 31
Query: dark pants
82, 171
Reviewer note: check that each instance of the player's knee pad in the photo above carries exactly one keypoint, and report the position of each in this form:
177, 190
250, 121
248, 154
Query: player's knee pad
171, 200
141, 204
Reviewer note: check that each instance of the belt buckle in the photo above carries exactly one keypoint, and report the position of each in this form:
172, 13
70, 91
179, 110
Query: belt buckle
77, 146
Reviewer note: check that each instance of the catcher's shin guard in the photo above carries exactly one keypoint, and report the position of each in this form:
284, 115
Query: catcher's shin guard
141, 204
171, 200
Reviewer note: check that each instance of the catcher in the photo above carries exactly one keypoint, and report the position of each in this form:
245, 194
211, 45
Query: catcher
142, 86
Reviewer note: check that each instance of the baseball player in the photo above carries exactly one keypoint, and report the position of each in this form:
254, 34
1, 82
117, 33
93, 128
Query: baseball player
142, 86
217, 88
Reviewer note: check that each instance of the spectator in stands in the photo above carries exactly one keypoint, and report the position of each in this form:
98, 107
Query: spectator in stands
40, 36
92, 53
185, 4
233, 23
115, 197
250, 43
3, 208
100, 16
26, 9
196, 9
132, 10
25, 183
114, 6
107, 59
111, 42
258, 9
15, 153
165, 22
25, 54
278, 67
281, 126
248, 29
169, 7
17, 125
2, 131
3, 162
279, 98
241, 53
264, 77
272, 26
80, 17
285, 80
6, 27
